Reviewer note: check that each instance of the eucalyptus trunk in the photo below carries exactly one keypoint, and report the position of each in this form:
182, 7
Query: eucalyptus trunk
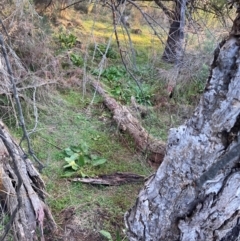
173, 52
195, 193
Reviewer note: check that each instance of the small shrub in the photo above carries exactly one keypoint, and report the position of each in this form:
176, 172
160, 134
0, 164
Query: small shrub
202, 74
116, 80
113, 73
122, 88
143, 94
78, 157
67, 40
106, 235
101, 49
76, 59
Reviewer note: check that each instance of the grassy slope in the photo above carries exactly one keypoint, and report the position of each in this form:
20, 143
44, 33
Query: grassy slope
70, 120
67, 123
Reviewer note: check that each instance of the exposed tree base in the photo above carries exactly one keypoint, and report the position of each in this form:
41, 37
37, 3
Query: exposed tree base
195, 194
28, 199
127, 122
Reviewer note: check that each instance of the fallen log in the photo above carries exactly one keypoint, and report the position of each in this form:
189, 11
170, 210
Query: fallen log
127, 122
22, 193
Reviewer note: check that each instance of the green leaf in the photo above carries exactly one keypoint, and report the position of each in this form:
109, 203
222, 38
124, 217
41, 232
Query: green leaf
68, 151
74, 156
118, 237
98, 162
118, 90
76, 149
96, 138
72, 165
106, 234
68, 174
81, 160
83, 175
84, 148
67, 159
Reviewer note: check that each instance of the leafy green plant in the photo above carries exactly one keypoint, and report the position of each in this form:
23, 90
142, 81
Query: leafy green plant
101, 49
114, 76
142, 93
76, 59
122, 88
118, 88
78, 157
67, 40
113, 73
106, 235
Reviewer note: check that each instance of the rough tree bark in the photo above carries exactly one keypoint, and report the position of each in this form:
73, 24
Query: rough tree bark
175, 42
195, 193
22, 193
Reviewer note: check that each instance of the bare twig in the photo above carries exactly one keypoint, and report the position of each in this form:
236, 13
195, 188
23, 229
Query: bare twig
52, 144
35, 112
19, 107
37, 85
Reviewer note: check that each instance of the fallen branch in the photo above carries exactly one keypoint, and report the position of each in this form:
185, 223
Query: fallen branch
23, 191
118, 178
127, 122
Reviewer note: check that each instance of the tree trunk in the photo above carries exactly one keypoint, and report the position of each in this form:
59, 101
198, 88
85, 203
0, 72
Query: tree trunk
173, 52
195, 193
22, 194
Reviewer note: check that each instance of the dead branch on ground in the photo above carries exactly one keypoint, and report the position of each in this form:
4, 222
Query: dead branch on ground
23, 191
118, 178
127, 122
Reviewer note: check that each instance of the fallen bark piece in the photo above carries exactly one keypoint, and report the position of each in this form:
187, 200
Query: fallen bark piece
127, 122
116, 179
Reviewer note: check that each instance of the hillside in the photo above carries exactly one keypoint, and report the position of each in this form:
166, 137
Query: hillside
55, 56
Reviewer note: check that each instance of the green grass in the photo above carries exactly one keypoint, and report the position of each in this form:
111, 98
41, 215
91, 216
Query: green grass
106, 30
68, 122
71, 120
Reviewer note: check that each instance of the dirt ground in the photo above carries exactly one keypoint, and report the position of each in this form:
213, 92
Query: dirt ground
70, 230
